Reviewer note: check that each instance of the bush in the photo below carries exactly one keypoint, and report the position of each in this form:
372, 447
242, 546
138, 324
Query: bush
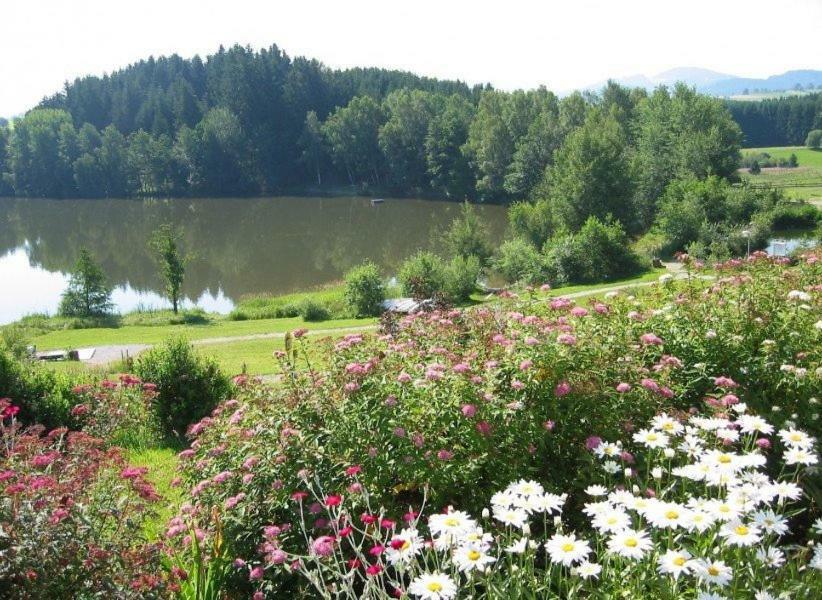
88, 294
814, 139
461, 278
364, 290
795, 215
598, 252
422, 276
72, 516
520, 262
311, 310
189, 386
468, 235
43, 395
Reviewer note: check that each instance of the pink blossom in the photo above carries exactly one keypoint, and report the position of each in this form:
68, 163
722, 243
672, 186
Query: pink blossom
526, 364
445, 455
517, 384
623, 387
256, 573
593, 442
763, 443
323, 546
650, 339
578, 311
650, 384
469, 410
566, 339
461, 368
483, 428
725, 382
531, 341
563, 389
548, 425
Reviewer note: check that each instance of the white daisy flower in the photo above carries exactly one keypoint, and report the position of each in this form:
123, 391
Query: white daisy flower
513, 517
526, 488
698, 520
754, 423
404, 546
596, 490
611, 467
607, 450
567, 549
675, 563
796, 438
770, 522
433, 586
800, 456
550, 503
771, 557
785, 490
668, 514
612, 521
630, 544
715, 572
588, 570
472, 558
453, 523
651, 439
668, 424
737, 533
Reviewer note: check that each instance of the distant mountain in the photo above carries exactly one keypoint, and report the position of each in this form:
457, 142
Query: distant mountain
720, 84
775, 83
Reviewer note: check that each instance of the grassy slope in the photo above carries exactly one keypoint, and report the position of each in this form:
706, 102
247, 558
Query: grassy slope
162, 468
802, 183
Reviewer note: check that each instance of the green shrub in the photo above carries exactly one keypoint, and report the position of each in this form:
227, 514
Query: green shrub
189, 386
461, 278
423, 275
517, 260
597, 252
795, 215
364, 290
468, 235
311, 310
814, 139
44, 396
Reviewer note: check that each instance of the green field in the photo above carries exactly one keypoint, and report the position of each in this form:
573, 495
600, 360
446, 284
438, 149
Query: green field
801, 183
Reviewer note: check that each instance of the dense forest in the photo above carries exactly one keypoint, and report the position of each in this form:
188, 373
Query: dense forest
778, 121
242, 122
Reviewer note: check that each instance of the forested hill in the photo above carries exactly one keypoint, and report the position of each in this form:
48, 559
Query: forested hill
259, 122
778, 121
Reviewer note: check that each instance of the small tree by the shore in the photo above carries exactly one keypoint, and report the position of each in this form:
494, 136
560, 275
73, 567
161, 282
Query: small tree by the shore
88, 294
165, 242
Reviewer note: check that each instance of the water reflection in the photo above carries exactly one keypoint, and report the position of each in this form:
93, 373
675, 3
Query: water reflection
239, 246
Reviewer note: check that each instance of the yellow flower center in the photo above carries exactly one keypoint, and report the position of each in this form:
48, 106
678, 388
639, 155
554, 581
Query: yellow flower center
724, 508
672, 514
612, 520
473, 555
725, 459
741, 530
451, 522
668, 426
679, 561
651, 437
796, 437
713, 571
567, 547
631, 542
405, 545
434, 586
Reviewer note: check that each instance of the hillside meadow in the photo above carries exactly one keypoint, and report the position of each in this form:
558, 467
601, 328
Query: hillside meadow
801, 183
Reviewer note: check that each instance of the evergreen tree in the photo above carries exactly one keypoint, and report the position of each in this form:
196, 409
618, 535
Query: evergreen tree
88, 294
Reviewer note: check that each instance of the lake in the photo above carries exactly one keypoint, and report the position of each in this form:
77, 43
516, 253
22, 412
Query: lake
239, 246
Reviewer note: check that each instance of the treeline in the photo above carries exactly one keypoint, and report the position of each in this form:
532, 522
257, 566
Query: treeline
779, 121
244, 122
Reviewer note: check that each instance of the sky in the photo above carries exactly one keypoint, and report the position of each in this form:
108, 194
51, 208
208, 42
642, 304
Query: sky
511, 43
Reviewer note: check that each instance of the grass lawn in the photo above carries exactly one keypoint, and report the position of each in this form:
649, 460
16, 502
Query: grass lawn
152, 334
162, 468
801, 183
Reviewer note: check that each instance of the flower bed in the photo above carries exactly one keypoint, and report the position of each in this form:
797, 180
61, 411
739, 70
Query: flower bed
453, 406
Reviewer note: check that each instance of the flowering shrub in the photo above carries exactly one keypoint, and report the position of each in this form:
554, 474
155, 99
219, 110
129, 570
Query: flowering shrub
120, 412
689, 516
453, 405
71, 515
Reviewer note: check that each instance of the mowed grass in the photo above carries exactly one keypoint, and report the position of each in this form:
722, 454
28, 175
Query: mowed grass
153, 334
162, 468
801, 183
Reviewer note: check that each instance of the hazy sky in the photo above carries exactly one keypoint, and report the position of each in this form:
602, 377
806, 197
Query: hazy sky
511, 43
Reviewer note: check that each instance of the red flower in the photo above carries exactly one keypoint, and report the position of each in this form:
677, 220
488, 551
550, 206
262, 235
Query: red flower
387, 523
299, 496
353, 470
333, 500
376, 550
374, 570
368, 519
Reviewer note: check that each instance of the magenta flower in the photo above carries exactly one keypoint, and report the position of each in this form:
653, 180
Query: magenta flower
623, 387
593, 442
323, 546
469, 410
563, 389
526, 364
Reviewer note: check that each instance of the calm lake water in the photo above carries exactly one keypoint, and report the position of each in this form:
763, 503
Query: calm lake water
240, 246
